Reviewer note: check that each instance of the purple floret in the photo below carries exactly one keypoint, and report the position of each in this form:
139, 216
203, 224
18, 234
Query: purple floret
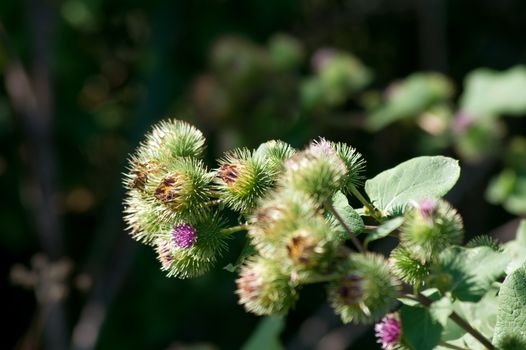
427, 208
183, 235
388, 331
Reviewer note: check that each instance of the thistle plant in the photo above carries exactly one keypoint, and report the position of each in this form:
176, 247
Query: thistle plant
301, 229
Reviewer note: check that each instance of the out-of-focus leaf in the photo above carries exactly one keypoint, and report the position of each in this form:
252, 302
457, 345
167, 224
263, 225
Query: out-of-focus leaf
501, 186
420, 330
441, 309
508, 189
266, 335
80, 14
481, 139
471, 271
339, 75
481, 315
411, 97
384, 229
492, 93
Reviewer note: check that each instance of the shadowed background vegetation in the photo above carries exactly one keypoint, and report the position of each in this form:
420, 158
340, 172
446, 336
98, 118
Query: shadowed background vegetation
83, 80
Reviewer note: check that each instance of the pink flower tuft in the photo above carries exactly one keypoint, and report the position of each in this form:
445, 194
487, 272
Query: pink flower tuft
427, 208
388, 331
183, 235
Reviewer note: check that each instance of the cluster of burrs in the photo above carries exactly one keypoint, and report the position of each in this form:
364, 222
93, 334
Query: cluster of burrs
284, 199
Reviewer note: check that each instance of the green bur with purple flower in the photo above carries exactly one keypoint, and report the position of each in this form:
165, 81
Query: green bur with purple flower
301, 229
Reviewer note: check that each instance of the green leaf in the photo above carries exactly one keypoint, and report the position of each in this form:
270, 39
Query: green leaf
501, 186
480, 140
492, 93
481, 315
413, 180
516, 202
441, 309
266, 335
384, 230
351, 218
508, 189
511, 315
471, 271
420, 330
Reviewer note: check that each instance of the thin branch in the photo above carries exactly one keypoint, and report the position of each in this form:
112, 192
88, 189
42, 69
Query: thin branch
234, 229
366, 203
31, 98
353, 238
460, 322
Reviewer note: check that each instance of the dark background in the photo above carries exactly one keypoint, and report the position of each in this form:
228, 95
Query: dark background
82, 81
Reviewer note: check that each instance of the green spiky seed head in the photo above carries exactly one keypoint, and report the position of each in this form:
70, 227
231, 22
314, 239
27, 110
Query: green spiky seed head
143, 219
485, 241
278, 214
317, 171
406, 268
171, 139
198, 254
243, 178
275, 153
182, 191
140, 172
301, 246
308, 250
430, 227
263, 289
173, 190
366, 290
354, 163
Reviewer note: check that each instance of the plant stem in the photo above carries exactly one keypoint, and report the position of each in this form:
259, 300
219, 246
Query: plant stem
460, 322
234, 229
353, 238
467, 327
366, 203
